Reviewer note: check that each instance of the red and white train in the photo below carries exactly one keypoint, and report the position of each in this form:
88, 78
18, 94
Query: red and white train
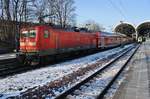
39, 41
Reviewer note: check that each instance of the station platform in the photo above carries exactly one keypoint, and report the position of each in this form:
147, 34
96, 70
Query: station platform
137, 82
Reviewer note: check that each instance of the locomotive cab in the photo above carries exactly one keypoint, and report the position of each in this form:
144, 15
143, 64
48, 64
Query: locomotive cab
35, 42
29, 41
28, 45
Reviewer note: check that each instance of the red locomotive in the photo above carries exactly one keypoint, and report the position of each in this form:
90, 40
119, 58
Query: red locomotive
40, 41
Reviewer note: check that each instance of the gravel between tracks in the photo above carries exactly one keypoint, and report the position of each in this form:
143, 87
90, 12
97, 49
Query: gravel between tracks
13, 85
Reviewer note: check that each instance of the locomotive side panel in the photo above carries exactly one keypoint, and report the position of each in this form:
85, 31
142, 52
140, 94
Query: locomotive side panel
49, 40
66, 40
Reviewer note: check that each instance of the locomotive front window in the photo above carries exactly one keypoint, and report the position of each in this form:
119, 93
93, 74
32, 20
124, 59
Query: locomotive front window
32, 34
24, 34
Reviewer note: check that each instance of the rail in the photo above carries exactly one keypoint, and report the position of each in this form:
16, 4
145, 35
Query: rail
78, 85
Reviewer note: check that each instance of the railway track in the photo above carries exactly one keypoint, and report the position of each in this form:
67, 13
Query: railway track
81, 89
31, 91
12, 66
5, 61
60, 89
7, 65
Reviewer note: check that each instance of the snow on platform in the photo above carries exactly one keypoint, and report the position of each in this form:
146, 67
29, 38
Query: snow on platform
136, 83
93, 88
21, 82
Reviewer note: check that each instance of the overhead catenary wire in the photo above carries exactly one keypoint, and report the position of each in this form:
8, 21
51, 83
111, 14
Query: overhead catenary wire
122, 5
117, 9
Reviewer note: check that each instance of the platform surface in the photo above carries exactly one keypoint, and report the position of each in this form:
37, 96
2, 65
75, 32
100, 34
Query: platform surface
136, 84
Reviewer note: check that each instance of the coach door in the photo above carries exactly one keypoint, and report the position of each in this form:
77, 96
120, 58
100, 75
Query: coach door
102, 41
57, 46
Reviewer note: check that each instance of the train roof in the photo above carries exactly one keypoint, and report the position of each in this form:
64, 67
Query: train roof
111, 34
59, 27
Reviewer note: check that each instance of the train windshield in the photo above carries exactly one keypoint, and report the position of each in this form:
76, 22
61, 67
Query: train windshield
24, 34
32, 34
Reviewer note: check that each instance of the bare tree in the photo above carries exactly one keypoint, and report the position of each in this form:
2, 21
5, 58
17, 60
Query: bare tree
64, 10
58, 11
39, 9
15, 10
1, 8
6, 9
93, 26
50, 9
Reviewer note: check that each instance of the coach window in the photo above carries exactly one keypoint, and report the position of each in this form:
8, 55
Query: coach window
46, 34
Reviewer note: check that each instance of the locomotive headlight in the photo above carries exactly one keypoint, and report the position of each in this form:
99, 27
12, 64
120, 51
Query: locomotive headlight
32, 43
22, 44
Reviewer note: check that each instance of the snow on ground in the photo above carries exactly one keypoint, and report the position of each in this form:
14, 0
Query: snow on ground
116, 85
24, 81
93, 88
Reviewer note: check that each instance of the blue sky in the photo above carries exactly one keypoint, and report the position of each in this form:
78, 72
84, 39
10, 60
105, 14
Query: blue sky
110, 12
